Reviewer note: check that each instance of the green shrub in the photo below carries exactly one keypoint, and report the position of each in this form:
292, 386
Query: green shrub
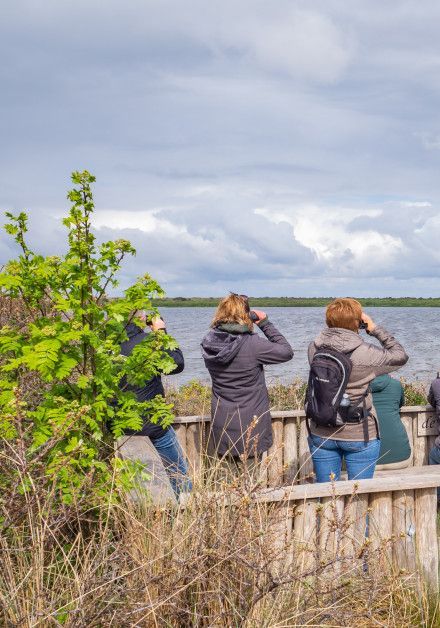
69, 343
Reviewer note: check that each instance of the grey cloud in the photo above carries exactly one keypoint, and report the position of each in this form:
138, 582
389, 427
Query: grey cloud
265, 105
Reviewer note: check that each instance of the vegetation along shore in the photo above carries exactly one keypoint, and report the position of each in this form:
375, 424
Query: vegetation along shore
300, 301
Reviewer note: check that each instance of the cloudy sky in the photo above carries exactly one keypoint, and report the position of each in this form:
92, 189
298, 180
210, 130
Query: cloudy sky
274, 148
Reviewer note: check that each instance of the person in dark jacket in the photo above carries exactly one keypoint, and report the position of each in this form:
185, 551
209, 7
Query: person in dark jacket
163, 439
434, 400
235, 357
388, 398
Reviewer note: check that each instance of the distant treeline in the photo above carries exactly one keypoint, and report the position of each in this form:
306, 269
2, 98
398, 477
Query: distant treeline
299, 302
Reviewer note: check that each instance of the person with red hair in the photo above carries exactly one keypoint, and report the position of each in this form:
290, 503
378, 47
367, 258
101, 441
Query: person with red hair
354, 435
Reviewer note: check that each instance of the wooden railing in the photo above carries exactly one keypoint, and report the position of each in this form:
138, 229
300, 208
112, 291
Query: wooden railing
333, 524
346, 521
289, 459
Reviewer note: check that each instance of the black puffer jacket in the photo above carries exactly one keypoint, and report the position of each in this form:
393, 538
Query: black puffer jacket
235, 359
154, 386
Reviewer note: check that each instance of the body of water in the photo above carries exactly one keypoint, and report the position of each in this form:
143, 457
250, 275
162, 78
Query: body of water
418, 329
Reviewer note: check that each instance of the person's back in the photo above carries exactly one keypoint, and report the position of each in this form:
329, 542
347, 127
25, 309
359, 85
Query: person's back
234, 357
388, 398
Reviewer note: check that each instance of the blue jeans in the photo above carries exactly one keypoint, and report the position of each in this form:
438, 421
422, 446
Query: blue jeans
327, 455
174, 461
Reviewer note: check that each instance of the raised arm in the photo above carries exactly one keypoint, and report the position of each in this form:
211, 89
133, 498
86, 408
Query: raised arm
273, 349
387, 358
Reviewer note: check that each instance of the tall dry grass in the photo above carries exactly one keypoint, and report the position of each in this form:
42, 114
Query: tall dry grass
224, 559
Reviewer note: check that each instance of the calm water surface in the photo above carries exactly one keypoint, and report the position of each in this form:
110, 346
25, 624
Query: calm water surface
418, 329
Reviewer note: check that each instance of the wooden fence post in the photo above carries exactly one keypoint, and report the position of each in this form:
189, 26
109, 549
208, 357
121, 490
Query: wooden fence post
426, 535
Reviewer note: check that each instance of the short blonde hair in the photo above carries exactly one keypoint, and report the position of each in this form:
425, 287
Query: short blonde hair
345, 313
232, 309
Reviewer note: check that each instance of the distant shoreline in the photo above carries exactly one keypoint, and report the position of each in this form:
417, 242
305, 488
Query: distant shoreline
299, 302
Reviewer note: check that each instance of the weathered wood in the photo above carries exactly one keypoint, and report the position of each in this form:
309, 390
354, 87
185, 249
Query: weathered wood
380, 524
305, 458
355, 523
403, 479
275, 454
305, 535
426, 535
407, 421
280, 539
331, 514
194, 446
290, 450
404, 527
427, 423
420, 449
263, 474
411, 417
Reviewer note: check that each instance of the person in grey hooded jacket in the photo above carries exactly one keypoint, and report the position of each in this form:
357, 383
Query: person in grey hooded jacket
235, 357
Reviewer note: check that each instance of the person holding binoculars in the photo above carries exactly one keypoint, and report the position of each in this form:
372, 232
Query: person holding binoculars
341, 417
235, 357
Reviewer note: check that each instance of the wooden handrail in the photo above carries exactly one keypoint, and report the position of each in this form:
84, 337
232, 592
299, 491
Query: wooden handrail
287, 414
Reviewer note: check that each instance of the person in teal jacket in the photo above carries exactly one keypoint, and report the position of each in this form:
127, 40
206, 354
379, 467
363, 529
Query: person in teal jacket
388, 398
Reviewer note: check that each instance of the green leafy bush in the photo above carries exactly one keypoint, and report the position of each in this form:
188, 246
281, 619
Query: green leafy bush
70, 341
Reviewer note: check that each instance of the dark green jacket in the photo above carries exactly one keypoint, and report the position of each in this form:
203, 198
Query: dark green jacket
388, 398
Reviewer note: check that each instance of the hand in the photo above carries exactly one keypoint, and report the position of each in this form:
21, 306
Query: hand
369, 322
261, 316
157, 323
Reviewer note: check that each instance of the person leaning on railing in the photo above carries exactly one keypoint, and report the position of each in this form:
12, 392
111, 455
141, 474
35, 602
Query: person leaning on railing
356, 442
235, 357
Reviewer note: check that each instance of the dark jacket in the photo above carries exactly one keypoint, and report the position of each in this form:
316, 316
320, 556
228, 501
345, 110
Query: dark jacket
388, 398
235, 358
154, 386
368, 361
434, 400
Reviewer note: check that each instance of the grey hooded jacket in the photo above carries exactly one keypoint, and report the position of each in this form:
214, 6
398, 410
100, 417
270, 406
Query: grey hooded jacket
368, 361
235, 358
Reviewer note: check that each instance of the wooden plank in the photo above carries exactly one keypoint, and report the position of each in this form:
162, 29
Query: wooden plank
407, 421
280, 539
263, 475
404, 479
426, 535
275, 455
420, 449
403, 530
193, 447
331, 516
355, 514
427, 423
305, 536
290, 435
305, 459
284, 414
381, 524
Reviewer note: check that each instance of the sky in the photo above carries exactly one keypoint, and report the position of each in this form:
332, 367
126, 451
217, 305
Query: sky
269, 148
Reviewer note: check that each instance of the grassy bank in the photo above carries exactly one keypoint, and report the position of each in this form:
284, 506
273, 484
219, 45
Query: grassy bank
299, 302
194, 398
